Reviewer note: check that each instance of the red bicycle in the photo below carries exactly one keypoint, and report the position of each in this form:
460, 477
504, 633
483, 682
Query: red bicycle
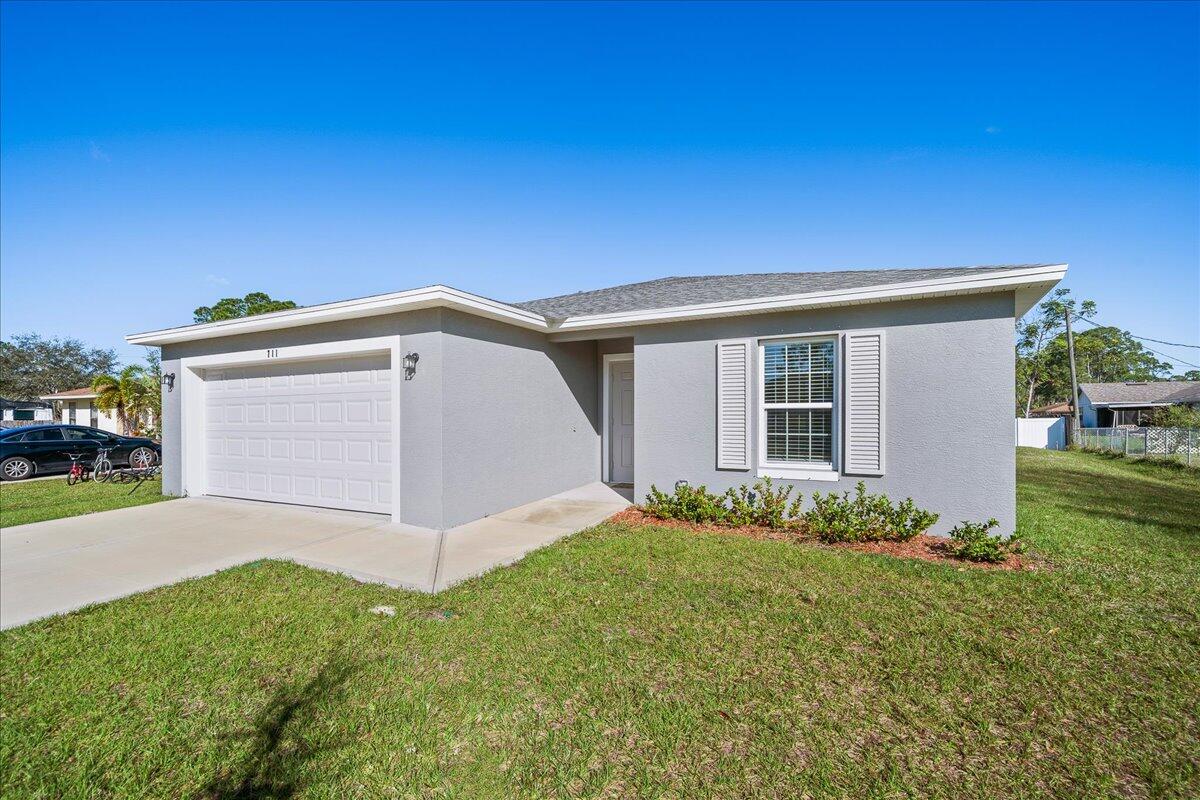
100, 470
78, 471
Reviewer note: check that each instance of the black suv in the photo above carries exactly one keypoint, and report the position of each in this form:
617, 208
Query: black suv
42, 449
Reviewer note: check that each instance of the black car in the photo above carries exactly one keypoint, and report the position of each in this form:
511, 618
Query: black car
43, 449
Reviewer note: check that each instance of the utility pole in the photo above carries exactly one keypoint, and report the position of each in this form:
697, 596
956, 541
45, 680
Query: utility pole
1074, 381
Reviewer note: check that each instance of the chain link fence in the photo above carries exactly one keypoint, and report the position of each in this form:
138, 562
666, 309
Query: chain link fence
1180, 444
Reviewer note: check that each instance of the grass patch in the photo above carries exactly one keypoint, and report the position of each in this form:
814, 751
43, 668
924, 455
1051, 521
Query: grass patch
647, 661
40, 500
1174, 461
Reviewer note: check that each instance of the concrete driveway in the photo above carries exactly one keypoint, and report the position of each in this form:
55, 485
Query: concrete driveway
53, 567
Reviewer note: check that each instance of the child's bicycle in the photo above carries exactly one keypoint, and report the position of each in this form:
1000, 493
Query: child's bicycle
78, 471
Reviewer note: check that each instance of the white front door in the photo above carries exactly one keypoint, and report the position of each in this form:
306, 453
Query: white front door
315, 433
620, 421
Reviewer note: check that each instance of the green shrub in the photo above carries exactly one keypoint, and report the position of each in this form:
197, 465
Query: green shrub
907, 520
866, 517
974, 542
1177, 417
764, 504
691, 505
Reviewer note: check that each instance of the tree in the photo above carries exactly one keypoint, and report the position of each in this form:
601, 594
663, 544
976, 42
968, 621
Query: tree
152, 377
1190, 375
237, 307
1102, 355
1035, 335
110, 396
31, 366
1177, 417
134, 396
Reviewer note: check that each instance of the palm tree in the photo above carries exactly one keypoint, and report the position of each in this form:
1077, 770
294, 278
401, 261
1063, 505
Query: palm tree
152, 378
109, 397
126, 395
139, 396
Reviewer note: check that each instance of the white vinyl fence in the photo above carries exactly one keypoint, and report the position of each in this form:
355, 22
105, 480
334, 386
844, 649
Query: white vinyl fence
1181, 444
1047, 433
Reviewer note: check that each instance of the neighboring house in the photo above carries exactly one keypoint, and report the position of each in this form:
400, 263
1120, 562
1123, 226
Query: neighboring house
78, 407
439, 407
1113, 405
27, 412
1062, 409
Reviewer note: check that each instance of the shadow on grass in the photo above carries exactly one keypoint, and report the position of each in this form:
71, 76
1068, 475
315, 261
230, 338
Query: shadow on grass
271, 768
1172, 463
1121, 498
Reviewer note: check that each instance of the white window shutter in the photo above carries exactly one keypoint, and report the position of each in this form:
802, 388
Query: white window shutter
864, 433
733, 404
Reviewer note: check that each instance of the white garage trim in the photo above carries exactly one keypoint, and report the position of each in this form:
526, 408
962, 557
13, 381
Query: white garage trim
192, 401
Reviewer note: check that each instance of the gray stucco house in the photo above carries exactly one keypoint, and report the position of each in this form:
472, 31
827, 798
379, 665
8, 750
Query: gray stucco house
438, 407
1114, 405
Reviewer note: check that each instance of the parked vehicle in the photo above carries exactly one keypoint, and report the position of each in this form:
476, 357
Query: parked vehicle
47, 449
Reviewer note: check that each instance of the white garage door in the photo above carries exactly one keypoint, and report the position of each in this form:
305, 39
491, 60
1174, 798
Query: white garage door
316, 433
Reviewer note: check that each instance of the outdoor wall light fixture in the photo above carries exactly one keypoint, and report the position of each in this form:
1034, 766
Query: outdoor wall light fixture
168, 380
410, 365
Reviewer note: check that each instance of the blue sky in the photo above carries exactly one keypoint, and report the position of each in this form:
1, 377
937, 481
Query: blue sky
157, 157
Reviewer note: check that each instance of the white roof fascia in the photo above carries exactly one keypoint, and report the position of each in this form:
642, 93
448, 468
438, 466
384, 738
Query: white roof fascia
1038, 279
410, 300
1030, 285
1132, 404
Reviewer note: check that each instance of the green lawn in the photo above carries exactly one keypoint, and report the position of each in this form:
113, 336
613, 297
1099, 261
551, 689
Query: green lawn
636, 662
35, 501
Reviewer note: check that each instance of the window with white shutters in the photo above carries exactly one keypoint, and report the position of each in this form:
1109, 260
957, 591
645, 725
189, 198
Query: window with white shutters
864, 435
733, 404
797, 403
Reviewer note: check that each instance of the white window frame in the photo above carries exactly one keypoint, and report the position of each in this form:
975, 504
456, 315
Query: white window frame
791, 470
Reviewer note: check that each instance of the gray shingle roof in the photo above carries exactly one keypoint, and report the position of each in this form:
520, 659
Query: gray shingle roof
1189, 394
1148, 392
685, 291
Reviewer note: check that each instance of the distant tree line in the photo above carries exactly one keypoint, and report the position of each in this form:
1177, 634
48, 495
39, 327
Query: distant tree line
32, 366
237, 307
1102, 354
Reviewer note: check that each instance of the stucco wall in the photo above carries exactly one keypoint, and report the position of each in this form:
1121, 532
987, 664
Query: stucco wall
420, 399
172, 429
519, 418
949, 377
494, 416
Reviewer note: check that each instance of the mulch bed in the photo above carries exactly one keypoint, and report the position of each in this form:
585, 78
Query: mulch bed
923, 547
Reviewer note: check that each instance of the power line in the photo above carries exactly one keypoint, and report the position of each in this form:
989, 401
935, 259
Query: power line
1152, 350
1144, 338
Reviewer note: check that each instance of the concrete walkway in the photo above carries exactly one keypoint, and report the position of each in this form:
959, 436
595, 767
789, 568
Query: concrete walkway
53, 567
